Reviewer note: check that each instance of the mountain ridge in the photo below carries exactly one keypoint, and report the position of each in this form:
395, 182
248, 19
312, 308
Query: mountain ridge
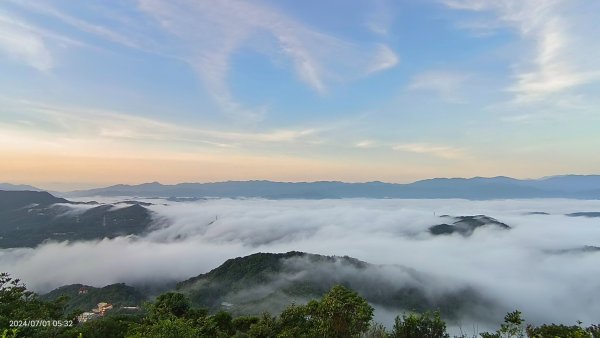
476, 188
271, 281
18, 187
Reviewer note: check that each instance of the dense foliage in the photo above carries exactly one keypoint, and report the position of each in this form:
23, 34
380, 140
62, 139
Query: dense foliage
241, 281
83, 297
339, 313
17, 303
426, 325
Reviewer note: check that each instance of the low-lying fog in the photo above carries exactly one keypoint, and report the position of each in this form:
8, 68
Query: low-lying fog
522, 268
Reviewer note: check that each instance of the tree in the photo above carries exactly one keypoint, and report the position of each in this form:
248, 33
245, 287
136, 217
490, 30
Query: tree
114, 326
594, 330
166, 328
426, 325
243, 324
376, 330
298, 321
560, 331
511, 328
170, 304
223, 321
342, 313
18, 303
265, 328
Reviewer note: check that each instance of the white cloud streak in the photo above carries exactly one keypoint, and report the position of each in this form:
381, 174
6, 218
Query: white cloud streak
559, 37
384, 59
365, 144
380, 18
441, 151
212, 32
22, 43
92, 123
446, 152
449, 85
78, 23
206, 35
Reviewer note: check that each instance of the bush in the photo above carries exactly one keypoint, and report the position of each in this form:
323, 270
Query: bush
560, 331
426, 325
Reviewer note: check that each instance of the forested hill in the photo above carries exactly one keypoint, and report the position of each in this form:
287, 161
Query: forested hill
258, 267
84, 297
28, 218
335, 312
340, 313
10, 200
270, 282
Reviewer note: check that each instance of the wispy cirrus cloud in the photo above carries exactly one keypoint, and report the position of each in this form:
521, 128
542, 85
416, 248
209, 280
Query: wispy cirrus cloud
441, 151
447, 84
365, 144
558, 37
384, 58
78, 23
206, 35
90, 123
380, 18
21, 42
212, 32
447, 152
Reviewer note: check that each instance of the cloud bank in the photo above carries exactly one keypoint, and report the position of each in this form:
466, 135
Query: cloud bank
522, 268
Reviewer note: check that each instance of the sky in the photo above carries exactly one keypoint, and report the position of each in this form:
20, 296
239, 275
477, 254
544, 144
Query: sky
94, 93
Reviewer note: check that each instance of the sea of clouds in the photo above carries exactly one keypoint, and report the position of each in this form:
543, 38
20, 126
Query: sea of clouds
524, 268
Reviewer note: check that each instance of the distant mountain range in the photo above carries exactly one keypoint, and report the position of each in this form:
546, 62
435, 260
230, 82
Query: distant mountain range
477, 188
18, 187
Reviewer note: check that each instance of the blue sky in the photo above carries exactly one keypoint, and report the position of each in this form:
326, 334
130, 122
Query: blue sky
101, 92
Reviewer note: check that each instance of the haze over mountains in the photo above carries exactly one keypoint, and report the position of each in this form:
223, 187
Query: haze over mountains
30, 218
270, 282
477, 188
506, 254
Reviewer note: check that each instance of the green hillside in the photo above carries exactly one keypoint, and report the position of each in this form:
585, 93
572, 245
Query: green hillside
340, 313
270, 282
84, 298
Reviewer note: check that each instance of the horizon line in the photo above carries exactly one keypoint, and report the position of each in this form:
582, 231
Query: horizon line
294, 182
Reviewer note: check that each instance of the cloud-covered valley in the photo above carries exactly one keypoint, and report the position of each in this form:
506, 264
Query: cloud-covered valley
533, 267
